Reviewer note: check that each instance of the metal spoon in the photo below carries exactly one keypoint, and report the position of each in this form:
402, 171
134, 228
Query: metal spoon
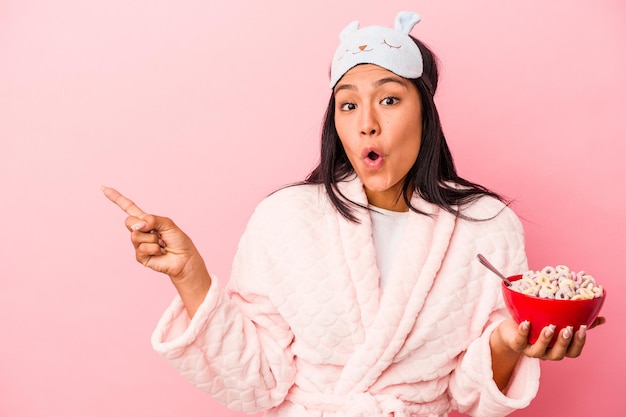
493, 269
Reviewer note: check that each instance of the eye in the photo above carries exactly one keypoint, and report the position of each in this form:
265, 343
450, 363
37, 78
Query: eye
347, 106
390, 45
389, 101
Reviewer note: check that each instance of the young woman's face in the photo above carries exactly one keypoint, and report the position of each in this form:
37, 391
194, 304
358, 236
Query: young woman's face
378, 116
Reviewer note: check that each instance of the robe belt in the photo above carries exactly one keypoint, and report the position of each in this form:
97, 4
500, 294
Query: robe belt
355, 405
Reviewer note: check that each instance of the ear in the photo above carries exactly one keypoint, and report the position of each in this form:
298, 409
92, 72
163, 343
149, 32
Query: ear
351, 28
405, 21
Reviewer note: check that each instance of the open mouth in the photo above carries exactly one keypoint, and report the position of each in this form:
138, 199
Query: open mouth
373, 156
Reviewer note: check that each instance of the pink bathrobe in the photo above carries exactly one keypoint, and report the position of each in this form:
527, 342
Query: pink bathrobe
303, 330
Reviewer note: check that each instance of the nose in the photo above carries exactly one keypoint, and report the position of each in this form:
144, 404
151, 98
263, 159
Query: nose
369, 125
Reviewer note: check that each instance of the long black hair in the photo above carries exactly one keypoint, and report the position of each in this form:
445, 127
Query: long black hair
433, 176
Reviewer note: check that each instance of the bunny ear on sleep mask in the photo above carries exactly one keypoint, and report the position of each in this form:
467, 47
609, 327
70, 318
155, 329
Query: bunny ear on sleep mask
389, 48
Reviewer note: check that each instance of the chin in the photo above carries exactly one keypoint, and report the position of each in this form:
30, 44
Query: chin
377, 187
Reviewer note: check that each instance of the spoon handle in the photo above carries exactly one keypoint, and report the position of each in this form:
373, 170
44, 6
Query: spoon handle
493, 269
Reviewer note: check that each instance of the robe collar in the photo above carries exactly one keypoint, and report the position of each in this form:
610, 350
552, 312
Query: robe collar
389, 317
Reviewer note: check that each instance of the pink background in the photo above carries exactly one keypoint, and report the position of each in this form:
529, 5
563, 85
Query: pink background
198, 109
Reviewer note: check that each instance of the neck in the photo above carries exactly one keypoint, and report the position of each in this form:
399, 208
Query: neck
389, 200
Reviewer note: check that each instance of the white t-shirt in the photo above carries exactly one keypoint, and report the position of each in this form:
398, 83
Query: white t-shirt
387, 228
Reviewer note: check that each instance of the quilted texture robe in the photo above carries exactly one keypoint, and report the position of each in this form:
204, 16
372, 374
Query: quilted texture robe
303, 330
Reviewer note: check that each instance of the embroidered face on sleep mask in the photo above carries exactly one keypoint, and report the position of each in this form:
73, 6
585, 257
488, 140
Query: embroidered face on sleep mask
392, 49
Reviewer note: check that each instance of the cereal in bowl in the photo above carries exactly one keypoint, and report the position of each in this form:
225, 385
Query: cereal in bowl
558, 283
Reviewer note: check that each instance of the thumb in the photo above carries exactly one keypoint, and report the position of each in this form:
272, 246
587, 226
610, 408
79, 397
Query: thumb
520, 340
160, 224
143, 223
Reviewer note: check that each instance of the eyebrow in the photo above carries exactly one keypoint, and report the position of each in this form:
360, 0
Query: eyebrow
386, 80
377, 84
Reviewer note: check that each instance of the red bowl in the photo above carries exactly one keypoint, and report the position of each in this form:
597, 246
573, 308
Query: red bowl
541, 312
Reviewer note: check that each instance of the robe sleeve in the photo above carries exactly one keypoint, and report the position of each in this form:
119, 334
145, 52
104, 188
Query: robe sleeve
472, 387
237, 346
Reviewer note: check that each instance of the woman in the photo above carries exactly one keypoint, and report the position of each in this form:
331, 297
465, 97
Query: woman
356, 292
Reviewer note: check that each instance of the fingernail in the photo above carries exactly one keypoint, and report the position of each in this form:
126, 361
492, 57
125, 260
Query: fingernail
582, 332
549, 331
138, 226
525, 325
567, 333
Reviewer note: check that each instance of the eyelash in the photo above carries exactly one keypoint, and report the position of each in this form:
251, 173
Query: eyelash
343, 106
395, 101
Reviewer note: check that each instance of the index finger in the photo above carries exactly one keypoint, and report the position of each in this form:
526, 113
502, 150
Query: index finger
122, 202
